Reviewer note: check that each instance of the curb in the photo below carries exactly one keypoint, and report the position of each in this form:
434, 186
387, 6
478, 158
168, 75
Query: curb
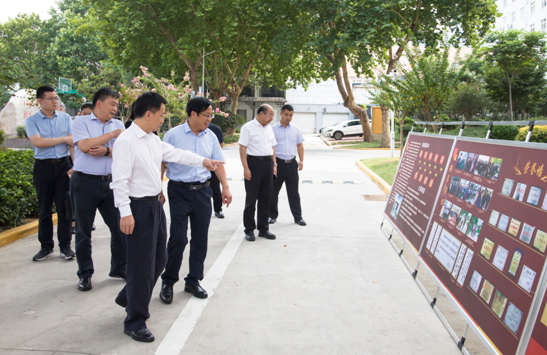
230, 144
324, 140
378, 180
25, 230
342, 147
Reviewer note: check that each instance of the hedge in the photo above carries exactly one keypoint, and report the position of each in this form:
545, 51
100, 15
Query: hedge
17, 193
539, 134
507, 133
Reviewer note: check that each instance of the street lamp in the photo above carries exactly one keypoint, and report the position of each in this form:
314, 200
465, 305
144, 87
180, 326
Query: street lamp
393, 74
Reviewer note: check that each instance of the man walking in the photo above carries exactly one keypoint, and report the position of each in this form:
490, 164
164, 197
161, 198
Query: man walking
215, 183
137, 185
94, 138
190, 198
257, 153
50, 131
289, 142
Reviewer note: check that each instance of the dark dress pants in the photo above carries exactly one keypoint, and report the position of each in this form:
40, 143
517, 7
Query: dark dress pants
52, 183
88, 195
185, 204
217, 192
288, 174
258, 188
146, 256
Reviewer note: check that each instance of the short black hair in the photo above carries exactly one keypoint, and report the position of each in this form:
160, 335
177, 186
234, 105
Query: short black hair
264, 108
287, 108
103, 93
198, 105
86, 105
42, 90
149, 101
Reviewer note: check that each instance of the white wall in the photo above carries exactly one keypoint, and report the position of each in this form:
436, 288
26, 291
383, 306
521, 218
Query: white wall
529, 15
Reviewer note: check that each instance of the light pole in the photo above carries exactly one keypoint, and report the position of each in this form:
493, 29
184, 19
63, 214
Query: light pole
203, 71
393, 74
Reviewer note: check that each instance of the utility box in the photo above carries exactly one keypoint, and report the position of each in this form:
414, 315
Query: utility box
377, 122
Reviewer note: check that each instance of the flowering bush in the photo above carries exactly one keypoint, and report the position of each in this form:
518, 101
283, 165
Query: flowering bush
539, 134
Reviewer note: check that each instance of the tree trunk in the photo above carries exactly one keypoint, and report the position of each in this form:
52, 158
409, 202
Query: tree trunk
510, 101
401, 124
235, 100
386, 141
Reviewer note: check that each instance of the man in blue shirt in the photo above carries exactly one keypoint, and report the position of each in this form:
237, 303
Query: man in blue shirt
190, 198
289, 142
94, 138
50, 131
215, 184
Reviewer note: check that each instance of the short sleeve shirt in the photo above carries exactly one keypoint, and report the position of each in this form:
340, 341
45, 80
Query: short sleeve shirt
287, 139
258, 139
60, 125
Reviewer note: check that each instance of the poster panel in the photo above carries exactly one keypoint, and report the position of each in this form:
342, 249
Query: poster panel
417, 184
538, 341
488, 237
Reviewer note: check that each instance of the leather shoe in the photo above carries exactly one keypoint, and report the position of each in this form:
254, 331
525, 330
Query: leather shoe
300, 222
142, 334
266, 234
120, 301
84, 284
196, 290
250, 236
271, 220
166, 294
219, 214
118, 275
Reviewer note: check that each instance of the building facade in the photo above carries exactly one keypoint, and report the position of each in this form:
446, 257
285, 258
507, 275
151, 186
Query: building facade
528, 15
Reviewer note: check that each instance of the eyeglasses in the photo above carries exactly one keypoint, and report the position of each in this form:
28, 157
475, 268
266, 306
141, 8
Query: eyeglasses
57, 98
207, 116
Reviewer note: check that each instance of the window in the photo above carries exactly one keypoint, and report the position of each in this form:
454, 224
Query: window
543, 3
522, 13
504, 22
355, 123
513, 17
543, 24
532, 27
504, 3
532, 7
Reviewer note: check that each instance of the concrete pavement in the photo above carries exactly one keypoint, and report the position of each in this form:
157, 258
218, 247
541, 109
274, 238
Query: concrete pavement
333, 287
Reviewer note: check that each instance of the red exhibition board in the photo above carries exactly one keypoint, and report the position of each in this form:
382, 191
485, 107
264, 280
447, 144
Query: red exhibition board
417, 184
538, 342
487, 239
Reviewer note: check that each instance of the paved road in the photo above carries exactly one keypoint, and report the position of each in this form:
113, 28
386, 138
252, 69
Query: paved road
333, 287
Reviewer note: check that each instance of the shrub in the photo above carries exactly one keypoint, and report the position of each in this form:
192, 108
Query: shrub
17, 193
539, 134
2, 136
228, 124
22, 132
507, 133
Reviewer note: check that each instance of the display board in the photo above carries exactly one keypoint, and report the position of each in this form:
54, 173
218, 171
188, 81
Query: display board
538, 341
417, 184
488, 234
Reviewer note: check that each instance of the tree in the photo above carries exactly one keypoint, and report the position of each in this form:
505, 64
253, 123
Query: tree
469, 100
512, 54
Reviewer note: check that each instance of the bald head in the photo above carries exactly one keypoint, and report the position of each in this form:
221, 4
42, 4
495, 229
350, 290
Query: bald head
265, 114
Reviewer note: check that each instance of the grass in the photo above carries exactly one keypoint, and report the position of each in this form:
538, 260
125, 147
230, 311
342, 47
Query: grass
386, 168
374, 144
231, 139
346, 142
468, 131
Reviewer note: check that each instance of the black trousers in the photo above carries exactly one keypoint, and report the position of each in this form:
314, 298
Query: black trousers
258, 188
88, 195
52, 183
288, 174
185, 204
217, 193
146, 256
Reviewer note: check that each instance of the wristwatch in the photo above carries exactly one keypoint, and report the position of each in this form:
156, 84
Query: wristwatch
107, 152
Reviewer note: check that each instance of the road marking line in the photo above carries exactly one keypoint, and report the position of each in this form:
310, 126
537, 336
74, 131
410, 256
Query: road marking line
185, 323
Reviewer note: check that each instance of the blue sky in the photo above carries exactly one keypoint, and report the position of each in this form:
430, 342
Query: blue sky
10, 9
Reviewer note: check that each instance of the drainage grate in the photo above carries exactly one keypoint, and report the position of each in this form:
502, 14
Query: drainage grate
375, 197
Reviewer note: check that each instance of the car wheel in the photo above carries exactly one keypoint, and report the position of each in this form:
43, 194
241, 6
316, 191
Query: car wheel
338, 135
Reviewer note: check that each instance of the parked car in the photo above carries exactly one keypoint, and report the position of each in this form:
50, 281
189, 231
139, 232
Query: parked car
343, 129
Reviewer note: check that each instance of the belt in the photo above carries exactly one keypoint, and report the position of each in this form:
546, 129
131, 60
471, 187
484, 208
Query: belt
54, 161
194, 186
279, 160
265, 157
97, 177
146, 198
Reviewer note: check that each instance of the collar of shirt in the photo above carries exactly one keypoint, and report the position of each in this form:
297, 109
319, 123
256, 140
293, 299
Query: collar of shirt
137, 130
93, 117
41, 114
187, 130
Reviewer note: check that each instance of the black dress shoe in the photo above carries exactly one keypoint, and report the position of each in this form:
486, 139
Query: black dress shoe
219, 214
166, 294
196, 290
120, 301
266, 234
84, 284
142, 334
271, 220
118, 275
250, 236
300, 222
93, 227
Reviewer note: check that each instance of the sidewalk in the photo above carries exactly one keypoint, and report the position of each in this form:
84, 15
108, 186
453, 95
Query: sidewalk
333, 287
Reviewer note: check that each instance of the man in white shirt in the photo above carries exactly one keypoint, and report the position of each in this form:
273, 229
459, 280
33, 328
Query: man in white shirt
137, 185
257, 153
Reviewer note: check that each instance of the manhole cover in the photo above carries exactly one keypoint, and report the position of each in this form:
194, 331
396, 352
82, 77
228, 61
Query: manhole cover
375, 197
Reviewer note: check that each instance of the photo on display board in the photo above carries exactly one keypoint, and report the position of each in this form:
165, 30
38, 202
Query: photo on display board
544, 205
396, 206
493, 169
520, 190
445, 210
460, 163
498, 305
474, 228
507, 187
484, 198
527, 277
471, 162
513, 317
454, 214
486, 291
534, 195
503, 223
527, 232
487, 248
453, 187
500, 258
463, 221
472, 193
475, 281
481, 165
462, 189
515, 262
540, 241
494, 216
514, 227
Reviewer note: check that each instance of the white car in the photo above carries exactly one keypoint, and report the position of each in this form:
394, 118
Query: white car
343, 129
